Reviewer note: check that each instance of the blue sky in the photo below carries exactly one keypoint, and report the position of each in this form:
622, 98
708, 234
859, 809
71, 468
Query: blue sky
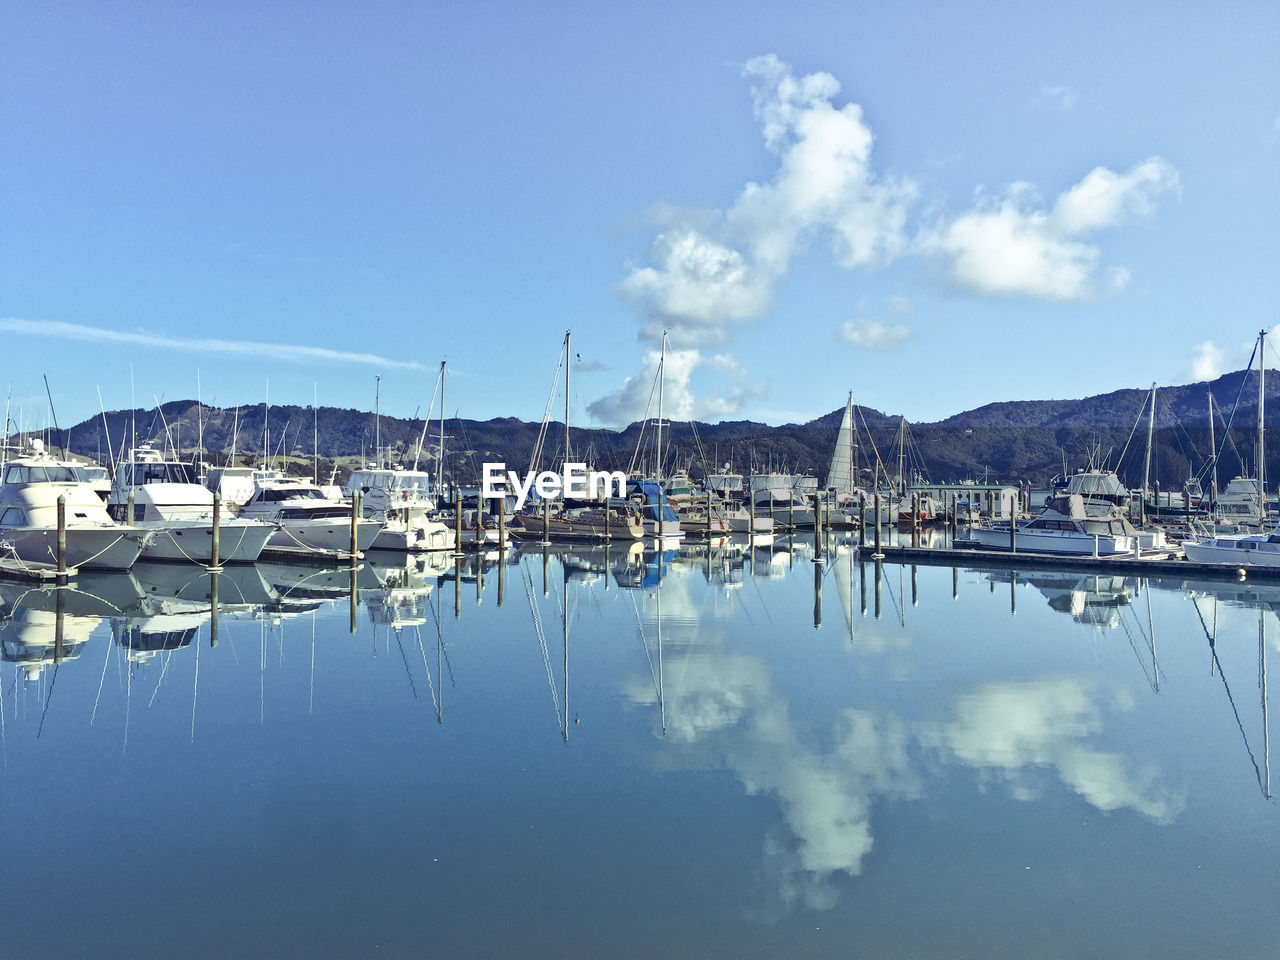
935, 205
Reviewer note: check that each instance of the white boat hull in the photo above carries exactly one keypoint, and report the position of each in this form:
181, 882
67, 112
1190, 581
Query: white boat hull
91, 548
329, 535
418, 536
1235, 551
239, 541
1058, 542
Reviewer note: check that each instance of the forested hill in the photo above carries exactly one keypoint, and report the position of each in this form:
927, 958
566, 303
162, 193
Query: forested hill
1031, 440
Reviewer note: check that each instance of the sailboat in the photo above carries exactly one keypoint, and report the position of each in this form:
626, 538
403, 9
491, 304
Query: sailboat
1249, 549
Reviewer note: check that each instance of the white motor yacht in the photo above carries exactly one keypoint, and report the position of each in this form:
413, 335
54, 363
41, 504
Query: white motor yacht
1063, 527
1239, 549
306, 517
403, 501
29, 496
167, 499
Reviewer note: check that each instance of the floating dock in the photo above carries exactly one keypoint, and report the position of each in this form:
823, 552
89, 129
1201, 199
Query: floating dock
12, 568
1152, 563
305, 556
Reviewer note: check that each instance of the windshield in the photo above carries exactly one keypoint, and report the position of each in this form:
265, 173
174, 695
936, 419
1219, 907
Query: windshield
50, 473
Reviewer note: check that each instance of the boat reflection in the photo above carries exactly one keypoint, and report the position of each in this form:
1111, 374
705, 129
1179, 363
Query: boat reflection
1094, 600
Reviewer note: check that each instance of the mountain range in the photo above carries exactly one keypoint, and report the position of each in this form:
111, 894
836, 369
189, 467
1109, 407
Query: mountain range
1023, 440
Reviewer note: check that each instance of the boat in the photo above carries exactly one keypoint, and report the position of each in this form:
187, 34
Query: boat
1236, 549
403, 500
306, 518
622, 522
29, 494
1240, 502
656, 514
167, 499
1064, 527
1101, 491
725, 483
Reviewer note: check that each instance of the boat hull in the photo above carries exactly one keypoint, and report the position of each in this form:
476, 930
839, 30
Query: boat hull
329, 535
239, 541
1235, 551
1055, 542
90, 548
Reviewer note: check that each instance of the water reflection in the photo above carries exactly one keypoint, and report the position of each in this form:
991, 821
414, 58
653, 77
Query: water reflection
844, 739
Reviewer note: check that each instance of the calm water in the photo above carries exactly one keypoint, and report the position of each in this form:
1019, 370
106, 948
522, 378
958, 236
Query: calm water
724, 758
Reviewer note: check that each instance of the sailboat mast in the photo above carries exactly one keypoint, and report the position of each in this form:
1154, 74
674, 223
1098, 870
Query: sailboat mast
568, 365
440, 458
1213, 452
902, 456
848, 415
1262, 454
377, 420
662, 375
1151, 429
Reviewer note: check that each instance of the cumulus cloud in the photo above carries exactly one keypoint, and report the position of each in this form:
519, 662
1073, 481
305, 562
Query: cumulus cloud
693, 287
1206, 360
708, 272
1011, 246
1010, 730
638, 395
705, 273
875, 334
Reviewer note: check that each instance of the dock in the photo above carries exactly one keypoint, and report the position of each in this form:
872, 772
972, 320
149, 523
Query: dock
305, 556
1153, 563
12, 568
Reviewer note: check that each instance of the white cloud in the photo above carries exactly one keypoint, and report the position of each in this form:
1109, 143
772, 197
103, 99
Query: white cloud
824, 180
639, 394
709, 271
875, 334
1011, 729
706, 272
1106, 199
1010, 246
1206, 361
1060, 95
291, 352
693, 287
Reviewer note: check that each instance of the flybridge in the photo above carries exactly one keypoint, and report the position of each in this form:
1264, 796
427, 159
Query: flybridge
573, 481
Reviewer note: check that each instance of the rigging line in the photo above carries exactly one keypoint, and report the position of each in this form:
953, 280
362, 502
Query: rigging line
653, 389
195, 686
427, 668
536, 457
4, 730
443, 647
542, 643
164, 668
1134, 647
128, 706
405, 661
48, 697
1119, 460
1239, 724
94, 714
894, 600
1236, 405
644, 642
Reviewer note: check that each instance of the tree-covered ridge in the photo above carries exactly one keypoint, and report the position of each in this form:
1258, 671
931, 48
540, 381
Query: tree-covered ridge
1027, 440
